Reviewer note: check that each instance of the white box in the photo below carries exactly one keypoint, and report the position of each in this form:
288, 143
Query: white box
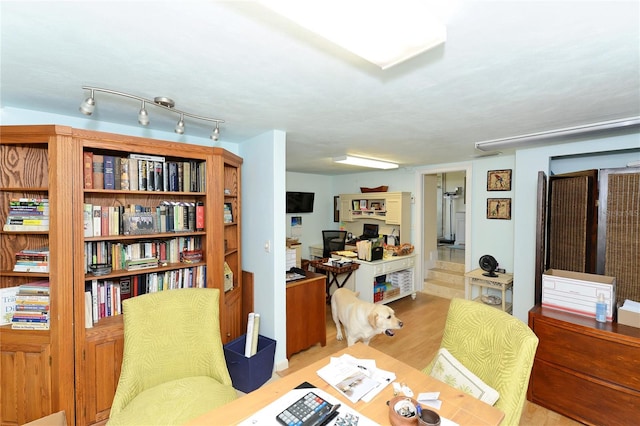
577, 292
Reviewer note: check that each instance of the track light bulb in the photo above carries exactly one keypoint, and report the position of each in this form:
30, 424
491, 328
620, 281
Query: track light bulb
215, 135
89, 105
180, 126
143, 116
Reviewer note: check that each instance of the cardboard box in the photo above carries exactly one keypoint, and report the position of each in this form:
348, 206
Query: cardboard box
577, 292
55, 419
248, 374
628, 314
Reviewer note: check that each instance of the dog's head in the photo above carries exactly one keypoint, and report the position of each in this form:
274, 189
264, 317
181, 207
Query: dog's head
383, 320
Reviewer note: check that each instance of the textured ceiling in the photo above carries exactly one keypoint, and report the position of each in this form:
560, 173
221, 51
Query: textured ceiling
507, 68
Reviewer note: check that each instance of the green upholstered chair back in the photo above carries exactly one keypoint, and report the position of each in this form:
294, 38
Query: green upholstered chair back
496, 347
170, 335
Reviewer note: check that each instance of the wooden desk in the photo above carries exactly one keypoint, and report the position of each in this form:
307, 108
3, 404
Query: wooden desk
306, 324
456, 405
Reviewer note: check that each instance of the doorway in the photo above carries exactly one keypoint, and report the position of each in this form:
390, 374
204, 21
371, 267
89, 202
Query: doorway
442, 222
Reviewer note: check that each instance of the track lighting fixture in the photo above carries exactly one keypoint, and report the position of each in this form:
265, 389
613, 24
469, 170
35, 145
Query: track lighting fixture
215, 135
180, 126
89, 104
143, 115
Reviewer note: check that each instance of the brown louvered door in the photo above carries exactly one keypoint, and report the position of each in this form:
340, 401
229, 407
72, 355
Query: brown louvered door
619, 230
573, 222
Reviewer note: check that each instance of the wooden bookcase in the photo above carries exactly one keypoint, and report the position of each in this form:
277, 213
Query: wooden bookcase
37, 365
85, 370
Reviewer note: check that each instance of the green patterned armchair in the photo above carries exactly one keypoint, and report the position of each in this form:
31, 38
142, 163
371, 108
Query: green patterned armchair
497, 347
173, 367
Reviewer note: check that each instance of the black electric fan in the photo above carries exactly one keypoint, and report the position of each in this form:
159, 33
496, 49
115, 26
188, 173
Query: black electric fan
489, 264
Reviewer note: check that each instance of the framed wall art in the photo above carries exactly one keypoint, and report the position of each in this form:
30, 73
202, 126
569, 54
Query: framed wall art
499, 208
336, 208
499, 180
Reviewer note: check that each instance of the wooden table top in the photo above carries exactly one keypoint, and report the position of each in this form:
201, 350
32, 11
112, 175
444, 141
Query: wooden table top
456, 405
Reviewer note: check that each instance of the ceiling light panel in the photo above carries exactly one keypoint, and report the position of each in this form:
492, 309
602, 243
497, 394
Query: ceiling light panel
382, 32
365, 162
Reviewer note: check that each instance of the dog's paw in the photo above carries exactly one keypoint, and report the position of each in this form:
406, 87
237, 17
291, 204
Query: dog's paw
339, 336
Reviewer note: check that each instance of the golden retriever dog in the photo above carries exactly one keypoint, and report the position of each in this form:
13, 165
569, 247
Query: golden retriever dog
361, 320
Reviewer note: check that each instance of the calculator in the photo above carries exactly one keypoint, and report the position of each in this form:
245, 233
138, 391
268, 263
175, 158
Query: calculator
310, 410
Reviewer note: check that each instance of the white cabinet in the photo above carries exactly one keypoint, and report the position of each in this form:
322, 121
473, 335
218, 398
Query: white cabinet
391, 210
400, 269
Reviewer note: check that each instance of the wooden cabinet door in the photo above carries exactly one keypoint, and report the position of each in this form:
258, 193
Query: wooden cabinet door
394, 211
101, 371
345, 209
26, 381
232, 320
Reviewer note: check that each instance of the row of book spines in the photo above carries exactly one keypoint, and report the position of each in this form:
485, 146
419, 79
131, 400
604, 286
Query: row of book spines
117, 254
107, 296
142, 173
109, 220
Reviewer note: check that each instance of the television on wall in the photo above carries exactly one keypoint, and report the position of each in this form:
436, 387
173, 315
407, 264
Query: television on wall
300, 202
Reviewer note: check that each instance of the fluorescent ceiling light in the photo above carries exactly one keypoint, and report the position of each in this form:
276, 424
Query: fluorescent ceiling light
384, 32
365, 162
558, 134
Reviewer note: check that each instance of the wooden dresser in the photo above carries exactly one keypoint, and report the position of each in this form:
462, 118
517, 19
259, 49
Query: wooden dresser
306, 312
585, 370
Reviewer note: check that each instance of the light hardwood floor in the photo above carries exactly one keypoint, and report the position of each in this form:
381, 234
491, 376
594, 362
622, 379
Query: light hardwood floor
415, 344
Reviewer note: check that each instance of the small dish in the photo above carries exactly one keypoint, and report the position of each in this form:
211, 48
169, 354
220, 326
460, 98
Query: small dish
491, 300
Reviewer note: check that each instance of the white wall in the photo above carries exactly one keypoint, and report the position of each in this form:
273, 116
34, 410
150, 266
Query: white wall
263, 206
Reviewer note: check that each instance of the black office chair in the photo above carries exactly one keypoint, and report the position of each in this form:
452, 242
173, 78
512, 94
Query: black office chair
333, 241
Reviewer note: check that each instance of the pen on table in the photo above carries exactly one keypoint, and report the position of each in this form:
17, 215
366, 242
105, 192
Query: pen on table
419, 410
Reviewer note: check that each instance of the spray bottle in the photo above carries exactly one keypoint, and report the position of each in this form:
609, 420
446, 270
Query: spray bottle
601, 309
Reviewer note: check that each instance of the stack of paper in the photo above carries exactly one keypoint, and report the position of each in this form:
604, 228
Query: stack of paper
355, 378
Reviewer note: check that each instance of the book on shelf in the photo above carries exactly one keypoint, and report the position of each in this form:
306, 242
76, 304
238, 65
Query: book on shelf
228, 213
200, 216
142, 175
98, 171
7, 304
109, 172
158, 175
31, 310
88, 309
36, 288
30, 325
87, 219
117, 173
124, 173
145, 263
87, 169
28, 220
151, 176
133, 174
147, 157
25, 228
